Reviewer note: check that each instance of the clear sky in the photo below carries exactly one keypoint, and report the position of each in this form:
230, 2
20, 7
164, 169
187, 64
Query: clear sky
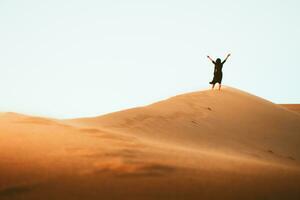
71, 58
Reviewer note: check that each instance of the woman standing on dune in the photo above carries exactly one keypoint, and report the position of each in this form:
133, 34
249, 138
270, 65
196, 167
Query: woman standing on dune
218, 74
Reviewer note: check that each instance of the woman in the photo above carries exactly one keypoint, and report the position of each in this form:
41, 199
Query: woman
218, 71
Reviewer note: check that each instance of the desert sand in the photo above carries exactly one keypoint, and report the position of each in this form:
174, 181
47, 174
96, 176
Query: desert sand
292, 107
204, 145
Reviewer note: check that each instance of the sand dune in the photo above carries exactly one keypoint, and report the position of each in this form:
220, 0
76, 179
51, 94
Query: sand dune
292, 107
201, 145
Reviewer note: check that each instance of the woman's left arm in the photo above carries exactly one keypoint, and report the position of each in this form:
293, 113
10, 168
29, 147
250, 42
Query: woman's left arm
226, 58
211, 59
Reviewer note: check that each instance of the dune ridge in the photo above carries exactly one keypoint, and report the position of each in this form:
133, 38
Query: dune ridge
225, 144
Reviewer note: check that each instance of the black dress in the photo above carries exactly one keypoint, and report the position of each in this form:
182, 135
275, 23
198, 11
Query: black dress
218, 74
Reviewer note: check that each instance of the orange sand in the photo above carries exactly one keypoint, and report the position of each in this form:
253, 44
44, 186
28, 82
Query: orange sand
201, 145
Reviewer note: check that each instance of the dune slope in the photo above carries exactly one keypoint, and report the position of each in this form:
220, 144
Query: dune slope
230, 120
292, 107
207, 144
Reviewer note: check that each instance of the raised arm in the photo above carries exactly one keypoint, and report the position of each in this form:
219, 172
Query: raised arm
211, 59
226, 58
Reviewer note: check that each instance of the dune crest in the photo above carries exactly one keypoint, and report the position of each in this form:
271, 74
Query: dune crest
229, 120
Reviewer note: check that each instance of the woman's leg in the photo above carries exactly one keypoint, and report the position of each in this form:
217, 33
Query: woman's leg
213, 85
220, 86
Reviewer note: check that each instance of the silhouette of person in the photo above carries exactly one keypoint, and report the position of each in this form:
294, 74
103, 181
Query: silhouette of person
218, 74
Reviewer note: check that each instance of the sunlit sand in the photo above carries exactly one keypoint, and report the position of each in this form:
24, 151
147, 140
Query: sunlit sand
224, 144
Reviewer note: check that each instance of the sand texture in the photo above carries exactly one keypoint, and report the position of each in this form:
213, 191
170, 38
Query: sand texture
204, 145
292, 107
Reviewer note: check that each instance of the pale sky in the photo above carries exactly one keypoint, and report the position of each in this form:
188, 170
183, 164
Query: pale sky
71, 58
